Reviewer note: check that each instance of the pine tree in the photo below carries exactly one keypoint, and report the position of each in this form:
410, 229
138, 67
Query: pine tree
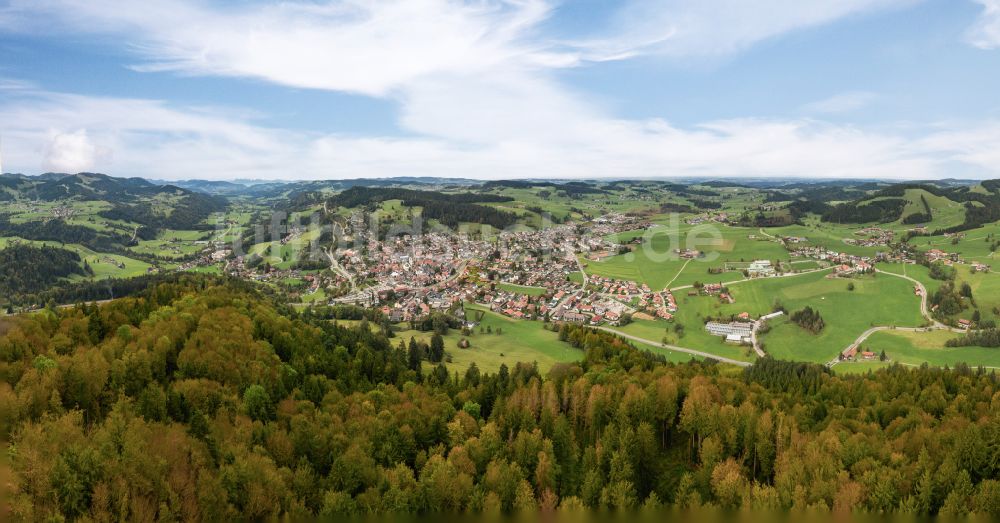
414, 356
436, 352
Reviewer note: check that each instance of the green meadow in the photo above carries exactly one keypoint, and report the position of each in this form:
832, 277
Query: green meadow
917, 348
173, 244
522, 289
830, 236
103, 265
875, 301
973, 245
694, 336
509, 342
655, 263
860, 367
878, 300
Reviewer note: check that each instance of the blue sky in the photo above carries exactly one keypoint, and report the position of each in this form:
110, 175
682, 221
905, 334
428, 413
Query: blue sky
502, 88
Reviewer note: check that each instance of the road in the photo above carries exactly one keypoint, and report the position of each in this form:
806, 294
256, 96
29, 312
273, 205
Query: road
768, 235
579, 264
675, 348
667, 286
753, 339
923, 300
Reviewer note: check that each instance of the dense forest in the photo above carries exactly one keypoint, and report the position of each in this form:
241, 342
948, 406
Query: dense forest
881, 211
571, 189
202, 399
189, 212
28, 269
361, 196
60, 231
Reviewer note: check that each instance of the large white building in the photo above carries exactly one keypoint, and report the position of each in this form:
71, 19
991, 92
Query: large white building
760, 268
738, 328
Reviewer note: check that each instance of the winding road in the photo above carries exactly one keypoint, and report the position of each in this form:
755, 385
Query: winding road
934, 324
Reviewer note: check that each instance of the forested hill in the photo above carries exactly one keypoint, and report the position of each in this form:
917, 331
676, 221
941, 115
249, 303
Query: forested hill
203, 399
29, 269
978, 205
100, 212
450, 209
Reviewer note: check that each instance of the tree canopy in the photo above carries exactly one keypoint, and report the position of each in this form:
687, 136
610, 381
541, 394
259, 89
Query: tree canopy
204, 399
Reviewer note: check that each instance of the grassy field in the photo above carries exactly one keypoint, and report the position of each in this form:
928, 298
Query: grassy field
517, 341
985, 286
973, 246
874, 301
860, 367
695, 337
103, 265
522, 289
510, 342
173, 244
985, 291
878, 300
655, 264
946, 213
916, 348
830, 236
562, 207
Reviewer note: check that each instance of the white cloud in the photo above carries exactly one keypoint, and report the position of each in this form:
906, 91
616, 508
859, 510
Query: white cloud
841, 103
985, 34
150, 138
70, 152
475, 88
696, 28
342, 45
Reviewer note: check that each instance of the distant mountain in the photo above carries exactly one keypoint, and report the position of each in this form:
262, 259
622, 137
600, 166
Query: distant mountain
219, 188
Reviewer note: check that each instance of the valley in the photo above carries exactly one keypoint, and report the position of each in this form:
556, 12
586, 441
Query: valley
652, 260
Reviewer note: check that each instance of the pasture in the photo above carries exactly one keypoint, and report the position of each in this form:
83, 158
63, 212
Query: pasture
655, 263
501, 340
917, 348
875, 301
103, 265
